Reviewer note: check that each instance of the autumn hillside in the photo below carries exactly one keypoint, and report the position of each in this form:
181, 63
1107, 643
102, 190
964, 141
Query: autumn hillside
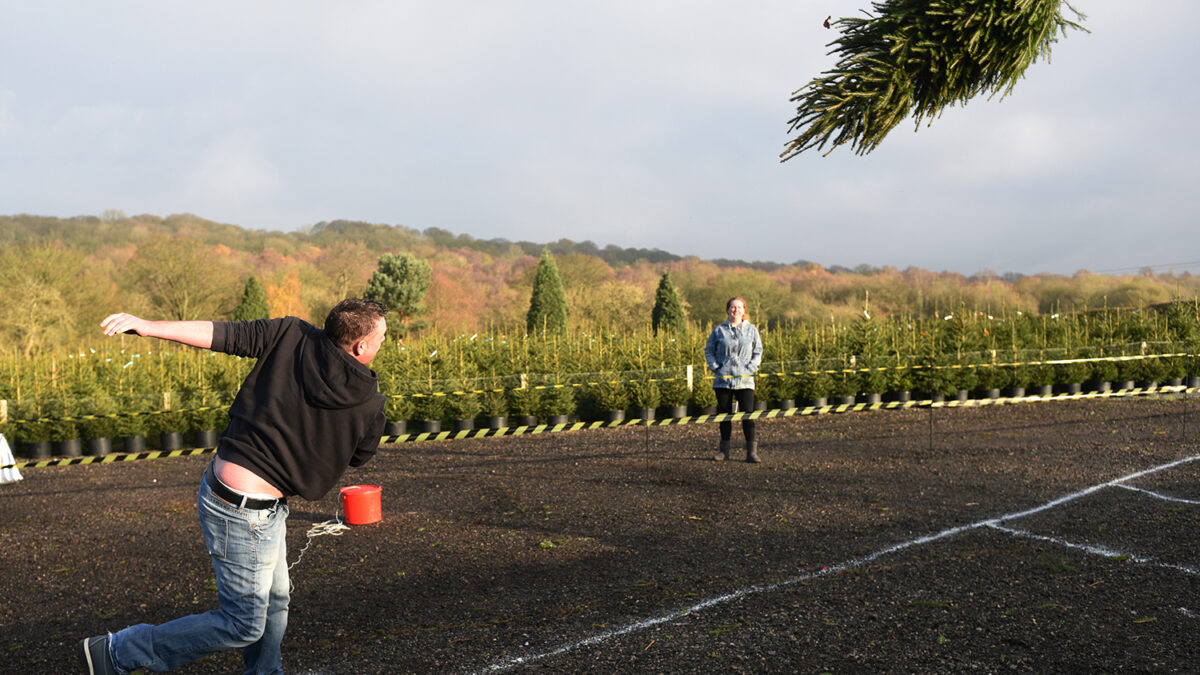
60, 276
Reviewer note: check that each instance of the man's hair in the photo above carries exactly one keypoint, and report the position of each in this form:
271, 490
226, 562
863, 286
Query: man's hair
353, 319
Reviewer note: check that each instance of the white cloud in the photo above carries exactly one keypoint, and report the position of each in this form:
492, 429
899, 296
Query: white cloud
399, 46
8, 118
1015, 144
233, 173
101, 130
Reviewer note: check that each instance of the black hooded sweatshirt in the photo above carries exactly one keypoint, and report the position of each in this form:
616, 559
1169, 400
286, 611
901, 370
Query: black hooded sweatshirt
306, 411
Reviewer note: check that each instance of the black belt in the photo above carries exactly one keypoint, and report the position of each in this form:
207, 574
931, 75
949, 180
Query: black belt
239, 500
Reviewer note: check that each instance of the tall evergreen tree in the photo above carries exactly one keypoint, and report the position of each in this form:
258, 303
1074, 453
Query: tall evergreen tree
253, 304
400, 282
668, 315
548, 303
920, 57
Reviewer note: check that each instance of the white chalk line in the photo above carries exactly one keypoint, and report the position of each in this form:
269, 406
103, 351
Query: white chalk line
516, 661
1160, 495
1096, 549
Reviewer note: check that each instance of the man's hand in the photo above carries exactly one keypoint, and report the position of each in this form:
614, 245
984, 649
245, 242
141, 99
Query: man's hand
123, 323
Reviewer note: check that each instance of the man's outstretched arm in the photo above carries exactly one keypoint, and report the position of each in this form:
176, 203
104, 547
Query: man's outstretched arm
193, 333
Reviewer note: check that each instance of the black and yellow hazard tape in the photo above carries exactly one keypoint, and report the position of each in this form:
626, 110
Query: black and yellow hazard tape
110, 458
775, 413
534, 387
953, 366
666, 422
109, 416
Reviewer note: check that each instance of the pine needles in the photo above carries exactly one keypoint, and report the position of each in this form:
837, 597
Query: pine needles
920, 57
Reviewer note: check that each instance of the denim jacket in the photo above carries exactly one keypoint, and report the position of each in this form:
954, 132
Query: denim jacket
733, 354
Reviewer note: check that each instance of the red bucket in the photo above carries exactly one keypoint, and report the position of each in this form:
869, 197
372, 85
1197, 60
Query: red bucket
362, 504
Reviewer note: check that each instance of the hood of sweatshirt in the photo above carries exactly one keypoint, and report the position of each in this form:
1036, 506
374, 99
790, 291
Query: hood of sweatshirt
331, 378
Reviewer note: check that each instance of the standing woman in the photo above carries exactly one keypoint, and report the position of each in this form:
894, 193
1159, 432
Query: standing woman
733, 352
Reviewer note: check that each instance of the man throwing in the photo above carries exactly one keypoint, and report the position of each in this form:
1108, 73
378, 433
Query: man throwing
309, 408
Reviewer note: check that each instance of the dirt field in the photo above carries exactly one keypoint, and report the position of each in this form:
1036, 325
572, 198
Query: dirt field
1039, 537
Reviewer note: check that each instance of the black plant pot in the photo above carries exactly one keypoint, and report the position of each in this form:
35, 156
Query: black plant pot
553, 420
205, 438
1126, 385
1145, 386
786, 404
497, 421
1070, 388
901, 396
843, 400
397, 428
1193, 382
987, 393
1043, 390
611, 416
464, 424
700, 410
1175, 382
98, 447
646, 414
72, 447
673, 411
135, 443
760, 405
1014, 392
524, 420
871, 398
431, 426
39, 449
170, 440
818, 402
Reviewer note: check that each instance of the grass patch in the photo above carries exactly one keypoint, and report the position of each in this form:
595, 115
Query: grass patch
930, 603
1057, 564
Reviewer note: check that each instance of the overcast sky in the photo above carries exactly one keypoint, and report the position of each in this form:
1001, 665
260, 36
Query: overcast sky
653, 124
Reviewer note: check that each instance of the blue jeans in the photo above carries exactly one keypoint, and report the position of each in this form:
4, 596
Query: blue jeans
249, 553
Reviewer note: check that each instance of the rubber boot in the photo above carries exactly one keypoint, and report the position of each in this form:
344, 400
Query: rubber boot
752, 452
722, 453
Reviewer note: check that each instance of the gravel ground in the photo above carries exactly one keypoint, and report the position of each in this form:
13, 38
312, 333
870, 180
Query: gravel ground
981, 539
